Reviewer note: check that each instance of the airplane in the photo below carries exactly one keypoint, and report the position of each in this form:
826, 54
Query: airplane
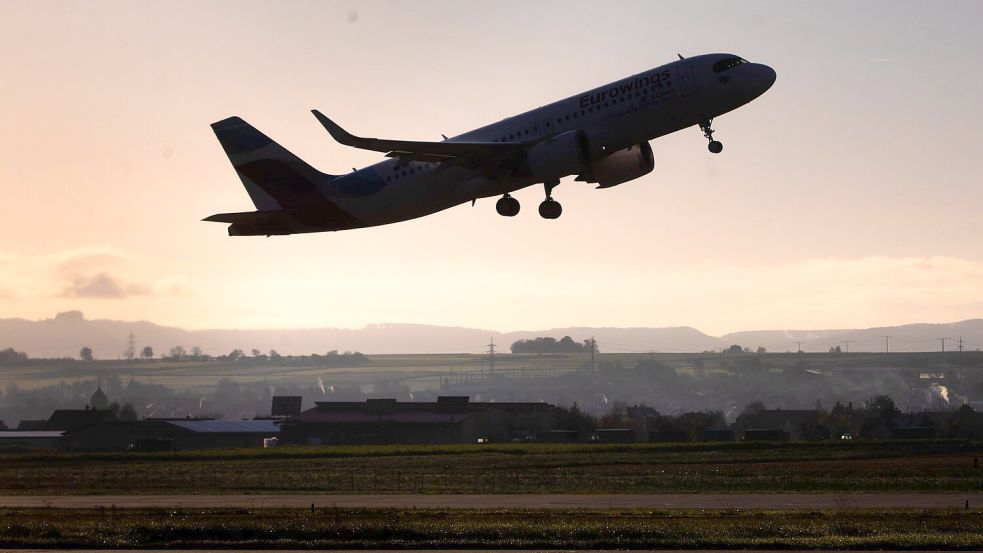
601, 136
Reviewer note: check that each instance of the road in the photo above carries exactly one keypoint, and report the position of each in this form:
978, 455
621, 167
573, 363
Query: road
519, 501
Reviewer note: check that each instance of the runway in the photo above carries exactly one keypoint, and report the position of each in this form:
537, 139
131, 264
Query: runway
517, 501
435, 550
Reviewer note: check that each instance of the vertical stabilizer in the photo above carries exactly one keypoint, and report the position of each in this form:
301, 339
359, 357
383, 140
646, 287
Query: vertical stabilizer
273, 177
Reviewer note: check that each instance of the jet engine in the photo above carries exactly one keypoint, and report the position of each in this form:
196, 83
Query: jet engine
622, 166
562, 155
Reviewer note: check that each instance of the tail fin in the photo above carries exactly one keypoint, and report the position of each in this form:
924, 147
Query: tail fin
273, 177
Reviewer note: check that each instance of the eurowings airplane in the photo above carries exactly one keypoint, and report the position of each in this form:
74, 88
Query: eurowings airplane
601, 136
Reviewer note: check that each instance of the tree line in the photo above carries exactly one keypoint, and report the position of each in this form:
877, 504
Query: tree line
552, 345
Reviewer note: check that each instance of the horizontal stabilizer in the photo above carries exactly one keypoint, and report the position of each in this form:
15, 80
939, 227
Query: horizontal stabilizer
249, 217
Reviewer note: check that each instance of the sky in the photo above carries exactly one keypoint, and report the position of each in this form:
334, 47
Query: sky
847, 196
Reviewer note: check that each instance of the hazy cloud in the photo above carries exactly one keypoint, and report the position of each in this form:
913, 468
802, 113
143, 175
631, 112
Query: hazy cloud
95, 273
103, 286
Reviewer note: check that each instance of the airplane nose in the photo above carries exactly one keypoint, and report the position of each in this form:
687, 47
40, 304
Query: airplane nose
766, 77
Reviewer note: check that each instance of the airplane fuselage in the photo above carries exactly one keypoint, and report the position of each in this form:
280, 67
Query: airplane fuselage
613, 117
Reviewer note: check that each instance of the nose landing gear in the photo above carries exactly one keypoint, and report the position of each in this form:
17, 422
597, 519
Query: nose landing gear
550, 208
507, 206
714, 146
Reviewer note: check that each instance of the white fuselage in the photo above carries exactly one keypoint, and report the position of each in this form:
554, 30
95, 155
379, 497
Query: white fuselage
615, 116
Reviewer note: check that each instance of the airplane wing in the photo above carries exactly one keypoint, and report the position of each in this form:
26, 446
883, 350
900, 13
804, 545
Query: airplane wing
468, 153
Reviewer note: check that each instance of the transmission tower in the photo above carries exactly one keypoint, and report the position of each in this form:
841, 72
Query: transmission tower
491, 357
131, 348
887, 344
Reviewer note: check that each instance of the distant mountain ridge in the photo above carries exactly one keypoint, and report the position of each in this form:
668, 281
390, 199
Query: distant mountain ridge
65, 334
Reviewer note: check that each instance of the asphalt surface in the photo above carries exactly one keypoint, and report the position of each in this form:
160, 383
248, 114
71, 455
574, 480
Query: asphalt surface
518, 501
429, 550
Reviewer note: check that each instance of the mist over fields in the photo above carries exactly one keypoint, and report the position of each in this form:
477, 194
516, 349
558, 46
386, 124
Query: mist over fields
65, 334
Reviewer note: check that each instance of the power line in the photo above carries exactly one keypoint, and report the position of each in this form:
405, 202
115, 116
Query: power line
943, 342
887, 344
847, 342
800, 346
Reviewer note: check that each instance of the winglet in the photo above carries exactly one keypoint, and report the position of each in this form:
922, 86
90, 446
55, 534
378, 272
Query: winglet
336, 132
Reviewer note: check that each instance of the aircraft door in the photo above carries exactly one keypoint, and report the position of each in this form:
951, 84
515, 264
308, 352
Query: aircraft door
685, 83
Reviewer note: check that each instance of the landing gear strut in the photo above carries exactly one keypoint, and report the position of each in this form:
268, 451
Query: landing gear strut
507, 206
550, 208
714, 146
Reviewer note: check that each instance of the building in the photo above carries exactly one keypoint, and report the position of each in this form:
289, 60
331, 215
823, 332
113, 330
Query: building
797, 424
99, 400
170, 434
449, 420
37, 439
75, 419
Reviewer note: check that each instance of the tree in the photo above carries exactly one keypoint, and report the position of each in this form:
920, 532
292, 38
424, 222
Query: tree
274, 354
883, 407
196, 352
256, 352
10, 355
235, 354
147, 353
177, 353
761, 350
85, 354
735, 349
835, 350
127, 412
753, 407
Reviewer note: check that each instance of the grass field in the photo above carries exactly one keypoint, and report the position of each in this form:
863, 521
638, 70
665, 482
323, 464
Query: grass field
428, 370
519, 468
438, 528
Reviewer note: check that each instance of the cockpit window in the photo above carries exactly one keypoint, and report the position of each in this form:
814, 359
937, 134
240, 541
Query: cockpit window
727, 63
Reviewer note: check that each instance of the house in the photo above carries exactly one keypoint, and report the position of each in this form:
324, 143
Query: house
615, 435
765, 435
75, 419
797, 424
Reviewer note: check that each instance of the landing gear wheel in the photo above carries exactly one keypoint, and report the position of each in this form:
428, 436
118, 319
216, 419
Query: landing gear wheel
550, 209
507, 206
714, 146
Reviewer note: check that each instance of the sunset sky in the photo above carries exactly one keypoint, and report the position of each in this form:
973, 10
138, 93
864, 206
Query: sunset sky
847, 196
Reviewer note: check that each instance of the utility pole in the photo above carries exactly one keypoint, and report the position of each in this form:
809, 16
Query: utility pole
593, 348
887, 344
943, 343
800, 346
491, 357
847, 343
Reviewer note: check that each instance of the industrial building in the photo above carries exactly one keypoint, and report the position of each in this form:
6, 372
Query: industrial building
449, 420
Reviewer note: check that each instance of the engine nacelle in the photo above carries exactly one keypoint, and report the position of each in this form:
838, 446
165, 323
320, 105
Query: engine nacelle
623, 166
562, 155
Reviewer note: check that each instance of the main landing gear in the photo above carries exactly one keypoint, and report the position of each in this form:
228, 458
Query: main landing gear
507, 206
550, 208
714, 146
